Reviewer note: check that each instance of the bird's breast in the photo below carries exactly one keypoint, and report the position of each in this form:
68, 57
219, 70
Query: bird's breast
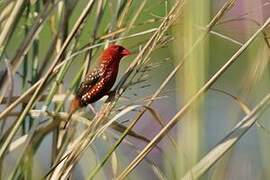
110, 76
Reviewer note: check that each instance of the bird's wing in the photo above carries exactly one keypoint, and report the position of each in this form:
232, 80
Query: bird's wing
91, 79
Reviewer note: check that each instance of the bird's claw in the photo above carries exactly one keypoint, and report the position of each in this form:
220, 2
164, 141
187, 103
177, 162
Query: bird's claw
111, 96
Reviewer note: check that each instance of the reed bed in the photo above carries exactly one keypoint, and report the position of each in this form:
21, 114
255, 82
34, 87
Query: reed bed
195, 87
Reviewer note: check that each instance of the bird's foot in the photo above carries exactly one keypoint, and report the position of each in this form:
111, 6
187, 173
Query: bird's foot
111, 96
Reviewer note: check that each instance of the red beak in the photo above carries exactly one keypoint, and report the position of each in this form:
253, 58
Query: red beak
126, 52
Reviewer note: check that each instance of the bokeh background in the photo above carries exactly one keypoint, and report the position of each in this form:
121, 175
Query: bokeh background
210, 119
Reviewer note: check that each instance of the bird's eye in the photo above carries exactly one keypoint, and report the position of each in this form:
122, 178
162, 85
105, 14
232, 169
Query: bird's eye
120, 49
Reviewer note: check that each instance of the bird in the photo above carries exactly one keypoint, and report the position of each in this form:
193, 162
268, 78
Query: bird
99, 81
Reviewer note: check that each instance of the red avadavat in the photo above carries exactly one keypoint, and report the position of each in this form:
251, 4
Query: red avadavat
99, 81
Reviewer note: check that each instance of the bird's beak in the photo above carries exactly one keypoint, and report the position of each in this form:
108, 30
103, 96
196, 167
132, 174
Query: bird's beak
126, 52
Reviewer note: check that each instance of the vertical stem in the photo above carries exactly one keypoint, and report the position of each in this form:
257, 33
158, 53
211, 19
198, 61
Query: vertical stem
35, 59
25, 63
99, 13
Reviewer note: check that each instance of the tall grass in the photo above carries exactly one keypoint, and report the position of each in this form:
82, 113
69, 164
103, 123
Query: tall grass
184, 57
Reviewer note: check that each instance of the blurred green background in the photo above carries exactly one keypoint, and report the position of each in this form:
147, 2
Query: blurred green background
211, 118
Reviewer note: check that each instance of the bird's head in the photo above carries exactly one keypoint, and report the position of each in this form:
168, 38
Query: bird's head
114, 53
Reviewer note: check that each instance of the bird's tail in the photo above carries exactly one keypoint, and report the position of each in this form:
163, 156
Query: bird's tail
75, 104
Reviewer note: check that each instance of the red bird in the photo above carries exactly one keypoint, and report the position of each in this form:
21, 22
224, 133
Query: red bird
99, 81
